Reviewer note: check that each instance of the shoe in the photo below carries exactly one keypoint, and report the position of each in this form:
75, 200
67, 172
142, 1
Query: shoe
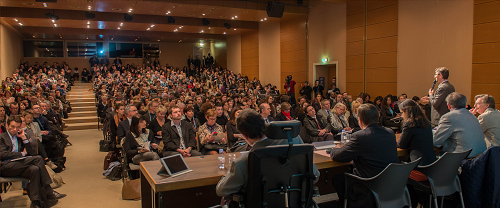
50, 203
51, 165
36, 204
25, 191
55, 195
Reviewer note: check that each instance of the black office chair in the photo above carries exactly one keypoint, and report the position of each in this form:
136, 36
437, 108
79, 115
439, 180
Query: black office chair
281, 175
388, 187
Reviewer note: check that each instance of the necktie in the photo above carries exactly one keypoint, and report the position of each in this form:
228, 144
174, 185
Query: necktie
182, 146
328, 111
317, 123
267, 120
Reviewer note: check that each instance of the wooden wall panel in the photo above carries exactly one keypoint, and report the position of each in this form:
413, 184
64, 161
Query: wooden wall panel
381, 60
355, 62
355, 7
381, 75
293, 52
353, 88
379, 4
382, 45
355, 34
356, 20
250, 55
354, 75
386, 29
382, 89
382, 14
485, 49
355, 48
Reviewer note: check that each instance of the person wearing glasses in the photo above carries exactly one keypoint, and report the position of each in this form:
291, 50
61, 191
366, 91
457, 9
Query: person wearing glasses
157, 123
286, 114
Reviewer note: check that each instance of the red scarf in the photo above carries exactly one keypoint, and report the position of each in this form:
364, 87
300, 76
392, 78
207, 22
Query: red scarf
287, 115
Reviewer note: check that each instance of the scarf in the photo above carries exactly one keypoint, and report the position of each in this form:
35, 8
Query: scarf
287, 115
117, 120
211, 127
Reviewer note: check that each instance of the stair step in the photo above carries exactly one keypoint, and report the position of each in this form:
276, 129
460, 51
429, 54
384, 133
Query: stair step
81, 99
76, 96
81, 126
82, 119
85, 108
82, 114
82, 104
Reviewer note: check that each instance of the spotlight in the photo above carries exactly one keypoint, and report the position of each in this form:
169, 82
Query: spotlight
171, 20
227, 25
205, 21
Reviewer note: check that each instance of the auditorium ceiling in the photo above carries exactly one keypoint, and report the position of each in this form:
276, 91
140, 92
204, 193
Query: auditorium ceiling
151, 19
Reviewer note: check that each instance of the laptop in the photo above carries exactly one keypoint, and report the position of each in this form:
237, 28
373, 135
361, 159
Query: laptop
173, 165
325, 144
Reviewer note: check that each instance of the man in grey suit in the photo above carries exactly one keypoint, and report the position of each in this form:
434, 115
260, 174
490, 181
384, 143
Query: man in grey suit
252, 128
489, 118
459, 130
124, 126
438, 98
324, 112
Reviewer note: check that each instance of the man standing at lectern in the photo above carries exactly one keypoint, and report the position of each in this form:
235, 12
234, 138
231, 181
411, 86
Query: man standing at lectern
437, 98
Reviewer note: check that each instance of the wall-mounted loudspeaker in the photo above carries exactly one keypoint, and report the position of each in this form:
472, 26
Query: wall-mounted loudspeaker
171, 20
205, 21
127, 17
275, 9
227, 25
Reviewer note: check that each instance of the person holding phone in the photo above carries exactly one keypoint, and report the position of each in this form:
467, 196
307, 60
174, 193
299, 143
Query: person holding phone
208, 133
14, 147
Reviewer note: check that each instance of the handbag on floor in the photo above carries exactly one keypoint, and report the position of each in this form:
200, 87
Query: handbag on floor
110, 157
105, 145
57, 180
131, 189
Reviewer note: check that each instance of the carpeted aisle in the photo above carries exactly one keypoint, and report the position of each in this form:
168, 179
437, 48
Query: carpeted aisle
85, 185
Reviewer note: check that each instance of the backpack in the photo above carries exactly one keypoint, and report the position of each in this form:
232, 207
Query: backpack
57, 180
115, 174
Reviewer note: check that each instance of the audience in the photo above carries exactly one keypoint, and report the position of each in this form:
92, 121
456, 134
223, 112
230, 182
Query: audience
265, 112
156, 125
339, 120
124, 125
318, 128
370, 149
459, 130
489, 118
118, 117
233, 135
387, 113
178, 136
138, 144
189, 114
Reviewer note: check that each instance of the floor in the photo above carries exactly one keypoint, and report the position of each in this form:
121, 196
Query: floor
85, 185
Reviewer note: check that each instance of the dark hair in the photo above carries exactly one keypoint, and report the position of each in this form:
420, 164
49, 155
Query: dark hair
15, 118
134, 125
117, 106
188, 108
368, 114
415, 98
456, 100
416, 117
443, 71
384, 102
251, 124
232, 115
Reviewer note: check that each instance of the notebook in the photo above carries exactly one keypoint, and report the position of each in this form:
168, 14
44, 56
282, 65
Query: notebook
325, 144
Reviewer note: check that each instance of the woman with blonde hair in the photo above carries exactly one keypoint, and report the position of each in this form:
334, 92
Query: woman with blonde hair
339, 118
353, 118
157, 123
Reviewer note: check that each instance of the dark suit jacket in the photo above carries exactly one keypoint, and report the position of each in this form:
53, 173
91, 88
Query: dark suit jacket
370, 149
6, 148
438, 103
312, 127
101, 110
123, 128
172, 140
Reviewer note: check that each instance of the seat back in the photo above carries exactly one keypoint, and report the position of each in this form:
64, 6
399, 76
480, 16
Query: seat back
389, 186
442, 174
269, 179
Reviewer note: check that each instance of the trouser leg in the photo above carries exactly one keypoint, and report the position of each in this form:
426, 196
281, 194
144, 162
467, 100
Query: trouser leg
338, 182
146, 156
41, 150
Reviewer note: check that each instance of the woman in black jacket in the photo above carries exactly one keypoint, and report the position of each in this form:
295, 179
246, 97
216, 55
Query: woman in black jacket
286, 113
138, 144
387, 113
116, 119
233, 135
158, 122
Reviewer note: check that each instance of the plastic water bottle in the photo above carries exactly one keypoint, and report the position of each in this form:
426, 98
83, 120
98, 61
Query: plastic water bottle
221, 160
343, 137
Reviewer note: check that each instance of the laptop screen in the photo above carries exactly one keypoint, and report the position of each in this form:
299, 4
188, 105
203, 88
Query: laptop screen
175, 164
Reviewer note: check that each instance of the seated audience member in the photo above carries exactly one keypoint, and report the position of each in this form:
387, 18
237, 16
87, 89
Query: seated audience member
286, 113
102, 107
151, 111
179, 136
301, 100
387, 113
252, 128
371, 150
124, 126
316, 103
14, 144
489, 118
119, 116
189, 114
156, 125
35, 136
317, 128
221, 119
324, 112
424, 105
233, 135
302, 113
206, 132
338, 119
265, 112
378, 102
366, 98
45, 130
138, 144
353, 118
459, 130
13, 109
203, 110
3, 119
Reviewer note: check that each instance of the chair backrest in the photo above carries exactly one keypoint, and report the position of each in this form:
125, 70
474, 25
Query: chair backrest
443, 172
390, 184
268, 178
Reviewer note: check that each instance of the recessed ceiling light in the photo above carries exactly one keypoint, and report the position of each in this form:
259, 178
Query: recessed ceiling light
201, 31
149, 28
53, 21
88, 22
21, 24
261, 20
158, 40
265, 18
119, 28
88, 26
152, 25
55, 25
121, 24
224, 33
130, 10
209, 28
232, 17
90, 7
235, 16
234, 28
44, 4
203, 14
33, 36
18, 20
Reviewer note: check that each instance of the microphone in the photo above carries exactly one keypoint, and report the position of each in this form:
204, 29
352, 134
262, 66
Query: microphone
433, 84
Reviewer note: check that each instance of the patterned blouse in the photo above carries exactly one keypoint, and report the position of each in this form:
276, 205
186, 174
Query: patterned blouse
204, 131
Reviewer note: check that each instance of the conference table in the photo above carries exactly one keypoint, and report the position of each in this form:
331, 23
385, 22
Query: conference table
197, 188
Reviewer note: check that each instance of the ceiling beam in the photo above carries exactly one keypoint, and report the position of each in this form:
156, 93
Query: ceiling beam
18, 12
155, 34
